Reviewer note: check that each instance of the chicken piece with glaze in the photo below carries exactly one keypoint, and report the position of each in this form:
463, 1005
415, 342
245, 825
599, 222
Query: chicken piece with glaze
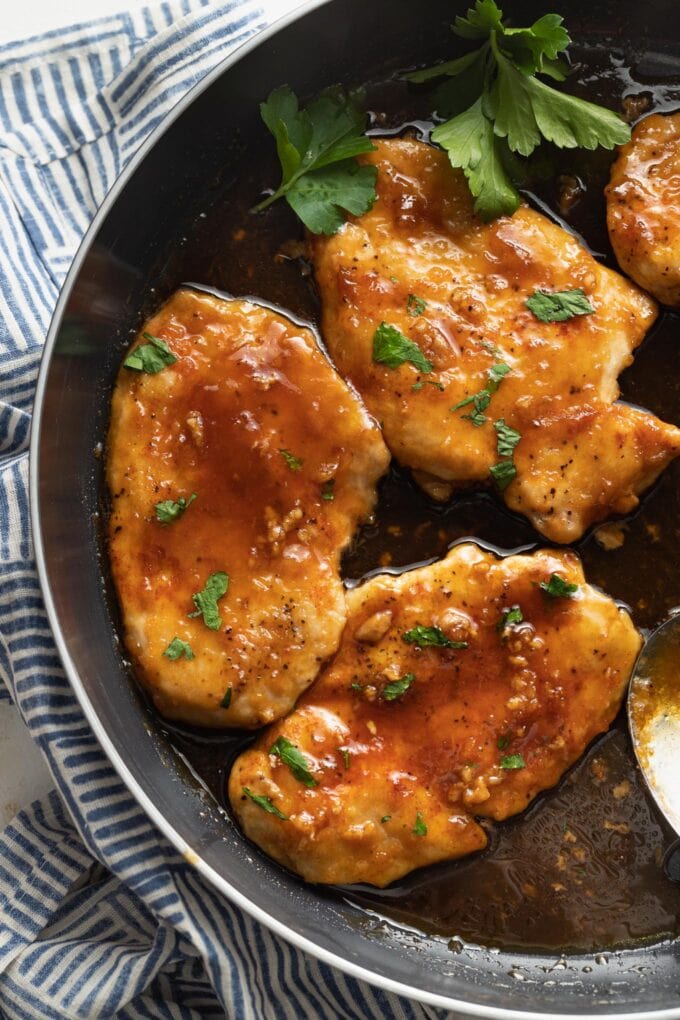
422, 262
643, 207
460, 689
283, 461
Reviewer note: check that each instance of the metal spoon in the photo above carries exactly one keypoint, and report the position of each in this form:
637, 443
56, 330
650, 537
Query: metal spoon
654, 720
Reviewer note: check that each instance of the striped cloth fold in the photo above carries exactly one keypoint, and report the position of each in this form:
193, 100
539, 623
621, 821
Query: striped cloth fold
99, 915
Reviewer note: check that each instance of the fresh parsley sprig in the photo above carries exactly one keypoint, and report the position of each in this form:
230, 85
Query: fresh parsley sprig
320, 178
503, 111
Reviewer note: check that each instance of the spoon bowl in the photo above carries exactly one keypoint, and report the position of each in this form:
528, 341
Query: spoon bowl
654, 717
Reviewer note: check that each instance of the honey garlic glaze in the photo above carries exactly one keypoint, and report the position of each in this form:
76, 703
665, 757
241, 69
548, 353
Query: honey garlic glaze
581, 869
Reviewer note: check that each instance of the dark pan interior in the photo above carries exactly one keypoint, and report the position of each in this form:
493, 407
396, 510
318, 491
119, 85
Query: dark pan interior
132, 259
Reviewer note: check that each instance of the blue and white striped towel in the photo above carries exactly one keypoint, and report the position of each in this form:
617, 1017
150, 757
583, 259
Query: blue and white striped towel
99, 916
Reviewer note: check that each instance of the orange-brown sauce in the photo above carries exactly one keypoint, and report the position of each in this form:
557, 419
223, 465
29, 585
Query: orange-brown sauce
582, 868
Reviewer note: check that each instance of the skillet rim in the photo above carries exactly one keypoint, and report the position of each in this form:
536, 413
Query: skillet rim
190, 856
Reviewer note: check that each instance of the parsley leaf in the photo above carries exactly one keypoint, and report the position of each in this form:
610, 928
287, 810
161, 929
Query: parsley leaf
168, 510
178, 648
503, 742
265, 803
430, 637
513, 761
150, 357
226, 700
293, 462
559, 305
392, 348
503, 473
499, 110
320, 179
347, 761
471, 145
328, 490
415, 306
294, 759
206, 601
558, 588
420, 828
418, 386
481, 400
385, 818
508, 438
397, 688
496, 373
510, 617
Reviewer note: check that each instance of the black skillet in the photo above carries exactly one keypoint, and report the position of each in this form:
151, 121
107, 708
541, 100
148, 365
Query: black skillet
170, 219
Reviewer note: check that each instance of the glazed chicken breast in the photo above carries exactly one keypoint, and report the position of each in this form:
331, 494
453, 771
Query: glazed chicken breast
239, 464
643, 207
425, 311
460, 690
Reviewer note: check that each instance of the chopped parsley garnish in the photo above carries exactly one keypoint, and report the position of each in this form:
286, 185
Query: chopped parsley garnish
491, 348
420, 828
430, 637
513, 761
169, 510
507, 438
558, 305
178, 648
496, 374
206, 601
510, 617
503, 742
481, 400
385, 818
415, 306
265, 803
320, 178
345, 756
293, 462
417, 386
328, 490
356, 687
397, 688
501, 111
392, 348
226, 700
150, 357
558, 588
294, 759
503, 473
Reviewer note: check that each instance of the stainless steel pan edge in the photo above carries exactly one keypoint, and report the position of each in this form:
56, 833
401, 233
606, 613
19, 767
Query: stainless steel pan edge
493, 990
